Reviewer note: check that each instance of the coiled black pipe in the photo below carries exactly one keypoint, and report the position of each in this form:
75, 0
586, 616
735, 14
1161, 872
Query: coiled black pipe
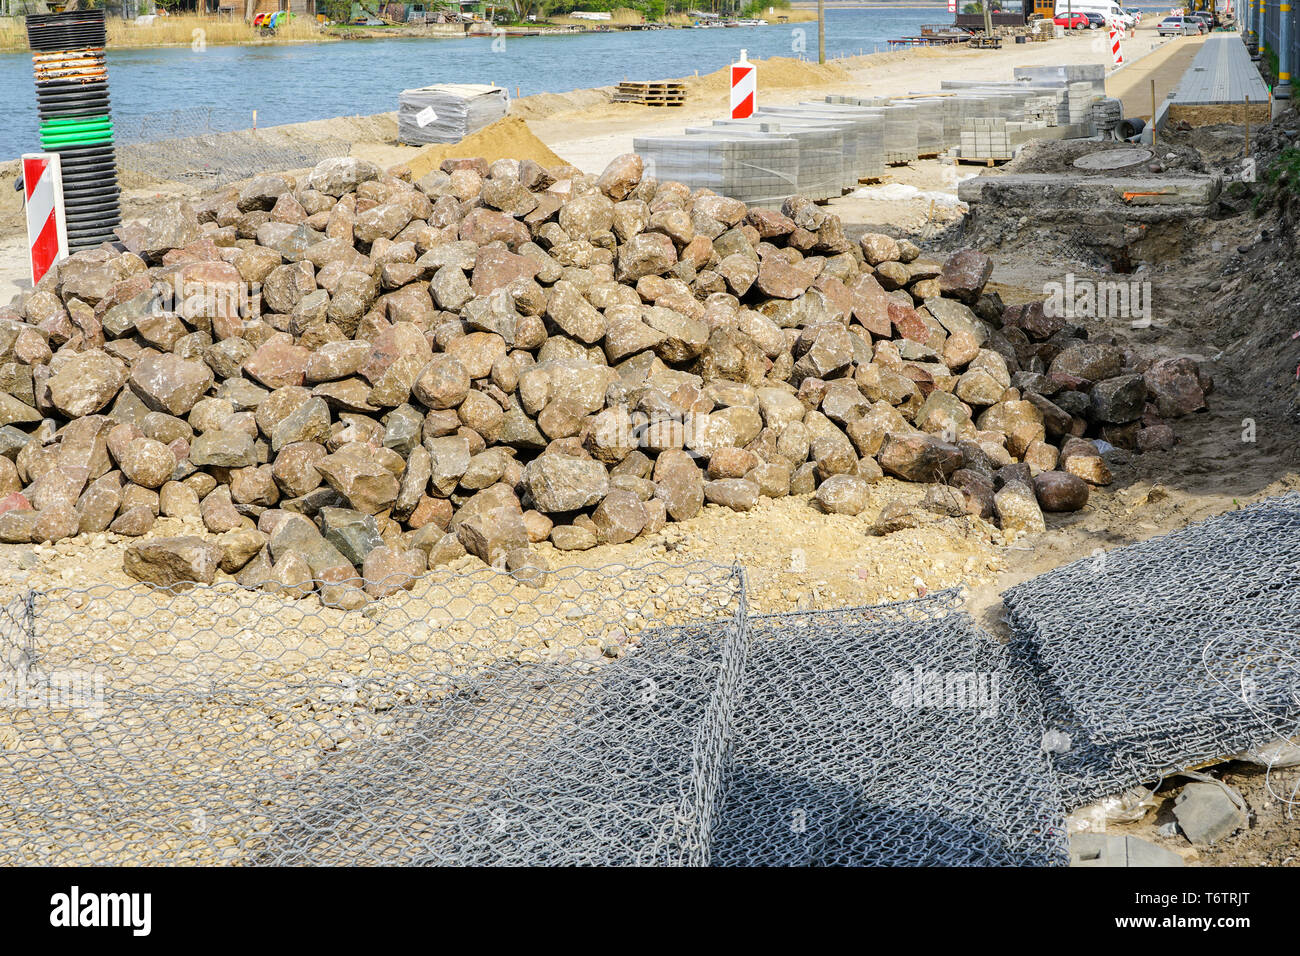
72, 103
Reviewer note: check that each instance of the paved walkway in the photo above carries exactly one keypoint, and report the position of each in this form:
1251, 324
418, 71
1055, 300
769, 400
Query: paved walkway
1166, 65
1221, 73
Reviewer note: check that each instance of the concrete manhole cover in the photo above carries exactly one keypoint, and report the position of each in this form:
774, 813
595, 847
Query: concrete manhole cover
1113, 158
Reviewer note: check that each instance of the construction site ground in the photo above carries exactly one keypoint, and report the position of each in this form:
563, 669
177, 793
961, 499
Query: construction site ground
1218, 295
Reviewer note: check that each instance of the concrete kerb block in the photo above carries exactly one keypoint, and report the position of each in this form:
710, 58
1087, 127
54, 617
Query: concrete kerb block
1117, 850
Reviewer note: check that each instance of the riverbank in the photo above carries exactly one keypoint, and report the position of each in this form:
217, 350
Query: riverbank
195, 32
199, 32
162, 93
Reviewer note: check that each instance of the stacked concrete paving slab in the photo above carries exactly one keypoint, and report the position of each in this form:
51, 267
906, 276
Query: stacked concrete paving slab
929, 124
820, 171
823, 149
757, 170
863, 135
869, 161
900, 143
986, 138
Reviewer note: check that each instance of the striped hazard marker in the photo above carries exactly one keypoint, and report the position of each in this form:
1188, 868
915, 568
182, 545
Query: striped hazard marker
1115, 33
744, 88
47, 233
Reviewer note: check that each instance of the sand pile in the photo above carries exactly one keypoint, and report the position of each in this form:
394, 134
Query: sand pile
507, 138
779, 71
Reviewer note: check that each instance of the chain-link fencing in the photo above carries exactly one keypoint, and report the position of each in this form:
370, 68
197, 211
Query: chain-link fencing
633, 715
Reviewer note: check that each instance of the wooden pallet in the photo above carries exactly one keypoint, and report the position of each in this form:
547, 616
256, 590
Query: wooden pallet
657, 93
978, 161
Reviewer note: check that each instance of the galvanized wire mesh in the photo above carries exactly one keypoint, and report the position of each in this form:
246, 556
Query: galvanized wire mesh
470, 719
214, 147
891, 735
215, 159
1085, 769
176, 124
634, 715
1168, 653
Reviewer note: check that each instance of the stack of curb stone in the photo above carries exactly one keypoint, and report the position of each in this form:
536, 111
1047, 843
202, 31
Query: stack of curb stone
354, 377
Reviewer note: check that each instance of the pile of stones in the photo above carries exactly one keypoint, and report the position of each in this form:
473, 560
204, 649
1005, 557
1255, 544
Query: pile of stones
354, 377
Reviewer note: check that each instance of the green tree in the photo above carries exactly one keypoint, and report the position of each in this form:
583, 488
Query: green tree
337, 10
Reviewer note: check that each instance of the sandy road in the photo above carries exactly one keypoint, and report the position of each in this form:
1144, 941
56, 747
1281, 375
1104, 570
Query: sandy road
592, 138
1165, 65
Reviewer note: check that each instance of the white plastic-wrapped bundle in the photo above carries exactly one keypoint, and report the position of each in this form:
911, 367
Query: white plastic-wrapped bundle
448, 112
759, 169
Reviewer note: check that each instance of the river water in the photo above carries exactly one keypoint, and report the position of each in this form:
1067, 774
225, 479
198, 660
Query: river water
221, 86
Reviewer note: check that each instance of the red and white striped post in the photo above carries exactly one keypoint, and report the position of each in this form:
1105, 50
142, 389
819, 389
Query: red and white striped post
744, 88
47, 231
1116, 32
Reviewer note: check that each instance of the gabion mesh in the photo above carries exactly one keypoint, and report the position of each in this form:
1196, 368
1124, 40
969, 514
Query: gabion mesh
890, 735
209, 148
1085, 770
471, 719
1171, 652
633, 715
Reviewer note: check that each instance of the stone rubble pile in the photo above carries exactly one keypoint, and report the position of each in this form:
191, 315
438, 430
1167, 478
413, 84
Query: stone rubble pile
352, 378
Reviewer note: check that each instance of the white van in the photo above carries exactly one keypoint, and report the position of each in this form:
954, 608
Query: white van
1107, 9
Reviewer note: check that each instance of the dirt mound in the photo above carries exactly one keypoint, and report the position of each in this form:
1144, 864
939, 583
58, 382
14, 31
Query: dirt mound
779, 71
1059, 156
543, 105
507, 138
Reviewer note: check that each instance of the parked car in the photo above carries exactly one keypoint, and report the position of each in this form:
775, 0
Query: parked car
1206, 18
1180, 26
1077, 21
1095, 21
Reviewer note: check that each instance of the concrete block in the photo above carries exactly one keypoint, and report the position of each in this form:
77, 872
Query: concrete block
1115, 192
1116, 850
759, 169
1206, 813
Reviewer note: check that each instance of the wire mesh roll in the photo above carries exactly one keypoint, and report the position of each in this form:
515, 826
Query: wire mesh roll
72, 101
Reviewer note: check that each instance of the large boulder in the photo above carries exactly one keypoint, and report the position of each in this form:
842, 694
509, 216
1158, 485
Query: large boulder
558, 483
86, 383
174, 563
